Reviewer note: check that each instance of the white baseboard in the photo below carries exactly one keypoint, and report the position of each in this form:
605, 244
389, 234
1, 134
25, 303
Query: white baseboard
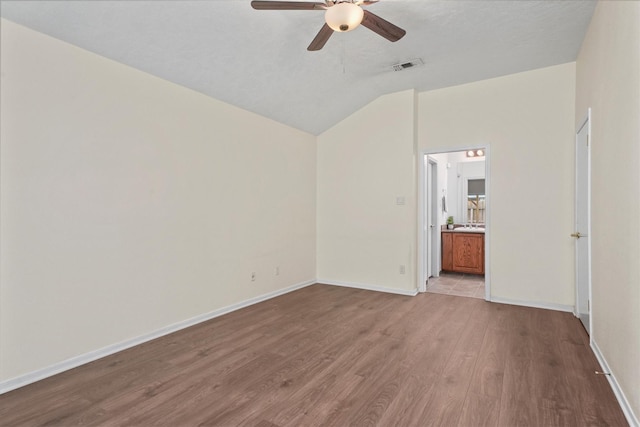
632, 419
534, 304
82, 359
367, 287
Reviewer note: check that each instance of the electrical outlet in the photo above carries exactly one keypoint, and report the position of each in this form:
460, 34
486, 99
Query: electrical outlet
253, 277
276, 271
402, 269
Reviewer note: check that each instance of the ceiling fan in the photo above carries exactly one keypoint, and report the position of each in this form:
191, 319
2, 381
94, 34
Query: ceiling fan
340, 15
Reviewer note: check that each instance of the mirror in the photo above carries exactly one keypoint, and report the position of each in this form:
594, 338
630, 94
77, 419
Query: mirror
475, 201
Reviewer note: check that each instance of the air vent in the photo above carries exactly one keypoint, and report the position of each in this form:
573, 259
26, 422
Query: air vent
409, 64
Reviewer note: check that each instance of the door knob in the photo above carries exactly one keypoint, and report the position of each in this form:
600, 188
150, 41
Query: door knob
577, 235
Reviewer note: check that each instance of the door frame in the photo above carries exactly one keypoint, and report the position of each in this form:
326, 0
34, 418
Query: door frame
586, 121
422, 251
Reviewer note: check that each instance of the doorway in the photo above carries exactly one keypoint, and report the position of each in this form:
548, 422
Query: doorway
448, 181
583, 224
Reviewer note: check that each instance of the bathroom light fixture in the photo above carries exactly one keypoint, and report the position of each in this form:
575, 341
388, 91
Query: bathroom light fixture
475, 153
343, 17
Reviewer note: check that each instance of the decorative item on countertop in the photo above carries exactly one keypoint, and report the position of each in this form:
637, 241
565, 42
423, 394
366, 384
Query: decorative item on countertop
450, 223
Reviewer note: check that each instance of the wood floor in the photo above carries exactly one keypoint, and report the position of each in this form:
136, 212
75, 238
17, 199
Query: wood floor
331, 356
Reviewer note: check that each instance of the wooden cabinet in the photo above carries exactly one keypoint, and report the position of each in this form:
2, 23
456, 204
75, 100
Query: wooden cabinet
447, 251
463, 252
468, 253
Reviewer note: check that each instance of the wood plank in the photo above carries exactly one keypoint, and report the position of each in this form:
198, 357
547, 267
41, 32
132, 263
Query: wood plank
447, 398
482, 403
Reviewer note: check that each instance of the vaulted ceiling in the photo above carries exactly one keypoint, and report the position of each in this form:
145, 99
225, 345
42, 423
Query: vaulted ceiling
257, 59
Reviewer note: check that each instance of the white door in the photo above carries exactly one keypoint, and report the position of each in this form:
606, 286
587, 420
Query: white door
582, 226
431, 220
434, 223
428, 224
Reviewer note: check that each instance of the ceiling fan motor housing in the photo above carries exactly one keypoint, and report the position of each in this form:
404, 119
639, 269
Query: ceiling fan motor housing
344, 17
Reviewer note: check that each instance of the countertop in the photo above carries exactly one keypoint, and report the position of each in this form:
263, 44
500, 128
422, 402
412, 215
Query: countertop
464, 230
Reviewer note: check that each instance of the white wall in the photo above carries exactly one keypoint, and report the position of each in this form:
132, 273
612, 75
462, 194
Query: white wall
364, 163
129, 203
527, 119
608, 81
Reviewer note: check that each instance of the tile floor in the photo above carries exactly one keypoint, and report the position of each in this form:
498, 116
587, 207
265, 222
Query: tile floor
463, 285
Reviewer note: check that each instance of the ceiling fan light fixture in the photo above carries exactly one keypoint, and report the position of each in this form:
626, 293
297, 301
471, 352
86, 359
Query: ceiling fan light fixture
343, 17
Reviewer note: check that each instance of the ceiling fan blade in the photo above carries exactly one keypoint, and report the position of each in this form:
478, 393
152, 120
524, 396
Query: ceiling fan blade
380, 26
321, 38
287, 5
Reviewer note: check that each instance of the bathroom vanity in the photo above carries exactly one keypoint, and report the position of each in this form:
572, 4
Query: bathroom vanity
463, 250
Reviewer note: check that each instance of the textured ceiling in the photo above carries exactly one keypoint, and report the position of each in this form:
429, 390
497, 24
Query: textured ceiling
257, 60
